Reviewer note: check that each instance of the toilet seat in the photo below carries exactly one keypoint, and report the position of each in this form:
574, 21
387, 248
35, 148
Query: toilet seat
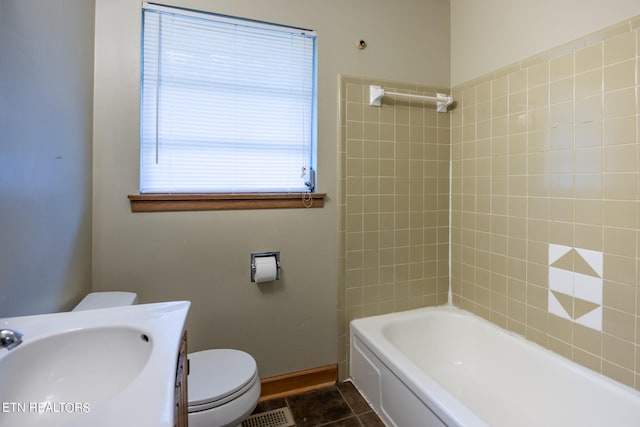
219, 376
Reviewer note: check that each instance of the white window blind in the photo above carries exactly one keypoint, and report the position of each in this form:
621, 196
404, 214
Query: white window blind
227, 105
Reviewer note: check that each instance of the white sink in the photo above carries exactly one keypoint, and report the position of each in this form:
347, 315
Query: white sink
85, 365
105, 367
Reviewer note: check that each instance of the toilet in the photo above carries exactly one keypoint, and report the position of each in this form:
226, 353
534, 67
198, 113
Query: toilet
223, 384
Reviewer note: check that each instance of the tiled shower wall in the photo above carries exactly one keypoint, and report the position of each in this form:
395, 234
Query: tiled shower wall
394, 196
545, 198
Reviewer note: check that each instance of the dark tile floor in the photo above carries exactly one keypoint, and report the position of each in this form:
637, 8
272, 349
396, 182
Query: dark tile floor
337, 406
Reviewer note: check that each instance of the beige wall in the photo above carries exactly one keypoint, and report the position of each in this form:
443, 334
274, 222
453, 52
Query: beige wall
46, 77
518, 186
545, 159
490, 34
394, 197
204, 256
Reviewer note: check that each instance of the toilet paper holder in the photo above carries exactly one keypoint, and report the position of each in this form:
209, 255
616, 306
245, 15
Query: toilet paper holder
255, 255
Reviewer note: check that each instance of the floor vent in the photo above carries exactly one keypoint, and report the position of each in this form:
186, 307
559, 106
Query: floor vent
281, 417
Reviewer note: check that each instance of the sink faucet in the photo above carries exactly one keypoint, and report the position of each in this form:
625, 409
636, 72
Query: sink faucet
10, 338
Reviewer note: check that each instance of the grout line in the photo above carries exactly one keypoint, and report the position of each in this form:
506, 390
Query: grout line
338, 420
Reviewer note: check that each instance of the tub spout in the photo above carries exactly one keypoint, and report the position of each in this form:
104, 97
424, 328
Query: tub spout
10, 338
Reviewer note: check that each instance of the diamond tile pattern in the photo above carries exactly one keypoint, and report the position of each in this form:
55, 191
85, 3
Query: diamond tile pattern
576, 285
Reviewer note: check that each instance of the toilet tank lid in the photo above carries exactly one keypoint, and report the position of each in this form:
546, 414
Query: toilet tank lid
96, 300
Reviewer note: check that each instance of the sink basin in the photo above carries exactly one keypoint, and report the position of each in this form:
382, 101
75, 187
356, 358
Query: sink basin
104, 367
84, 365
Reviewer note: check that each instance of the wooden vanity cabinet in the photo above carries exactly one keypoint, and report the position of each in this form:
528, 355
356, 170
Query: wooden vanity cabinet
181, 399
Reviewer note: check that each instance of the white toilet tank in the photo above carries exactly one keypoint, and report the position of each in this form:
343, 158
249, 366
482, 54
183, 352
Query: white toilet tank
96, 300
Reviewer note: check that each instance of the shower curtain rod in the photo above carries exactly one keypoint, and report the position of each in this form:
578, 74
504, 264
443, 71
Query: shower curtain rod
376, 93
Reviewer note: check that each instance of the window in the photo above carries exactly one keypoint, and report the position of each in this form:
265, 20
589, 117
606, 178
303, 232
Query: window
227, 105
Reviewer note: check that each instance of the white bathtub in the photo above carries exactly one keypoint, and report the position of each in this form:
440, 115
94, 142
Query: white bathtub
442, 366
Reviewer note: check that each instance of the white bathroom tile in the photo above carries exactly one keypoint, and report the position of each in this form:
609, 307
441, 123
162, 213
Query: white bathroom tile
556, 308
593, 258
557, 251
561, 280
592, 319
587, 288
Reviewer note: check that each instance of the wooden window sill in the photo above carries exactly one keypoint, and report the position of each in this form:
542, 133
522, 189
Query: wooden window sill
223, 201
